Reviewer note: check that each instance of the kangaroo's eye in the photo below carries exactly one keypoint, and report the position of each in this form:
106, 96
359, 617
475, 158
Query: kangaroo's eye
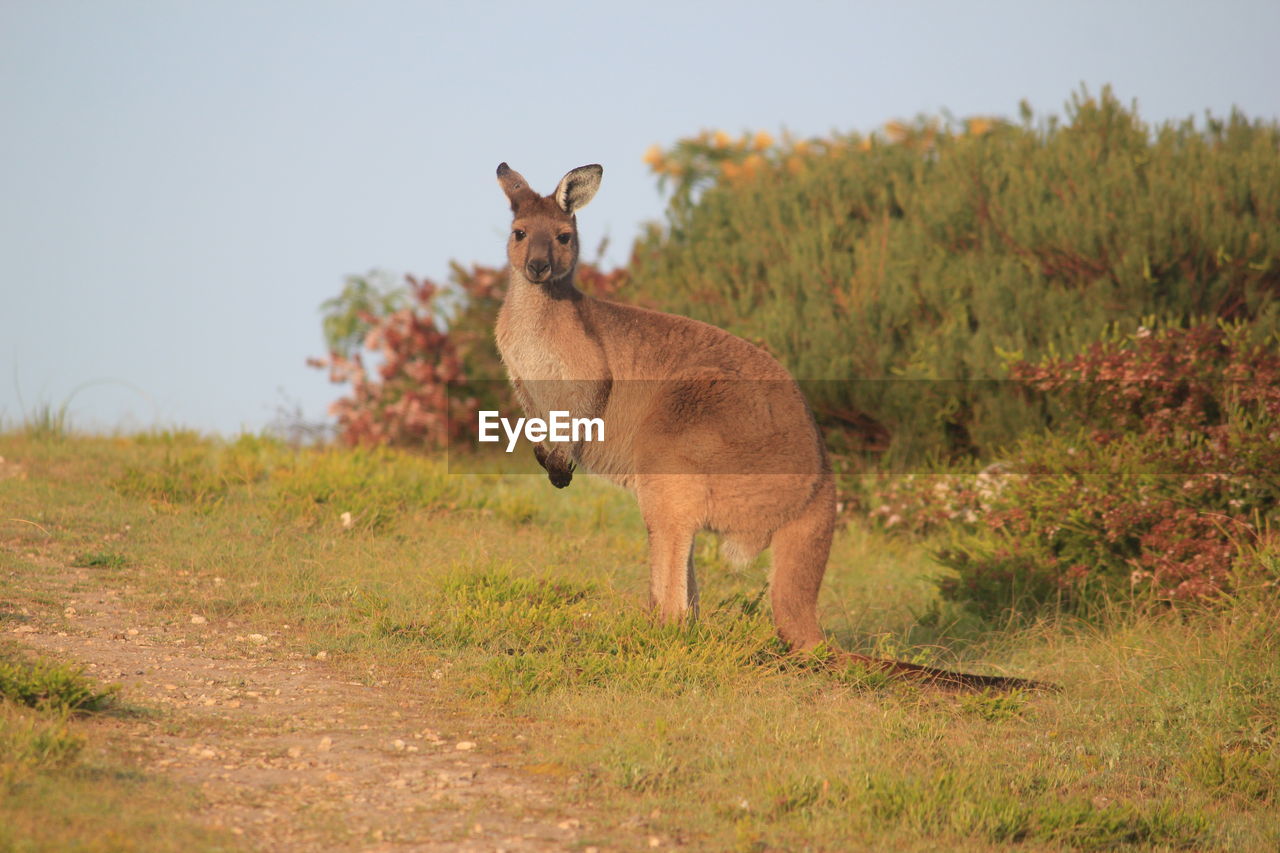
564, 239
518, 234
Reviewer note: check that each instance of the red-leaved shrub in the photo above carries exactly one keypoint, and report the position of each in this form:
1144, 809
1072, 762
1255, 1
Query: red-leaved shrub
434, 363
1158, 480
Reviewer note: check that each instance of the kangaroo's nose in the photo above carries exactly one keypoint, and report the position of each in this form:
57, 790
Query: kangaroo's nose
537, 269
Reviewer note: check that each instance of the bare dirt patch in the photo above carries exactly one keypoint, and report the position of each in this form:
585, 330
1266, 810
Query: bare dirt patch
289, 751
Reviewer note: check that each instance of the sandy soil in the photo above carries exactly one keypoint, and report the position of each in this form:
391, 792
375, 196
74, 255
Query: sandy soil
289, 752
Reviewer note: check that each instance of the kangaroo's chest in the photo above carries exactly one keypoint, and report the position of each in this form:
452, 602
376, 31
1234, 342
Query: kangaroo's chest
529, 356
534, 360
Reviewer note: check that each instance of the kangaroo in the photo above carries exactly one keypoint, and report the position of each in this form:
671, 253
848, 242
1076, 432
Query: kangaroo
707, 430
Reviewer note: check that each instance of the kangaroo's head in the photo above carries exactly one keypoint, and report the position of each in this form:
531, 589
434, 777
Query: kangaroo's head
543, 244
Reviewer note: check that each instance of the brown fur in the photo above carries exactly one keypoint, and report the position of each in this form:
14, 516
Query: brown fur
707, 430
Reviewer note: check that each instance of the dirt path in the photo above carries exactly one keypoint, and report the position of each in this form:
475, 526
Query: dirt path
289, 752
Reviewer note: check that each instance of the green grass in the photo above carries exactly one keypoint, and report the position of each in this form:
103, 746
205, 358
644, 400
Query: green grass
525, 606
37, 700
100, 560
30, 741
51, 686
62, 787
47, 423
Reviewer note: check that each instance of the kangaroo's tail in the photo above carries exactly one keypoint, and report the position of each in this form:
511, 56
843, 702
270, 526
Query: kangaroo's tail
943, 678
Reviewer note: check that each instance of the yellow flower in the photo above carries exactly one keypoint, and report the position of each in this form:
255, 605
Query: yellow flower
653, 155
802, 147
730, 169
762, 140
978, 126
752, 165
865, 145
896, 131
795, 165
721, 139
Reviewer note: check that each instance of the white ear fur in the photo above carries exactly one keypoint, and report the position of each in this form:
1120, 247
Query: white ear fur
578, 187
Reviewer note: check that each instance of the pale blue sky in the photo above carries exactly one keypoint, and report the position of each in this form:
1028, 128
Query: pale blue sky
182, 183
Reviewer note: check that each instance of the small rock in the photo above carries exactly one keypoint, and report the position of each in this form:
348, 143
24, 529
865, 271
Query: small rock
464, 745
397, 745
346, 520
197, 619
326, 744
132, 632
256, 639
322, 655
295, 752
571, 823
655, 841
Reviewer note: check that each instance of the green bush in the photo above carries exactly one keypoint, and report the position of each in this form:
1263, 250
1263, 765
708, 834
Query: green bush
906, 266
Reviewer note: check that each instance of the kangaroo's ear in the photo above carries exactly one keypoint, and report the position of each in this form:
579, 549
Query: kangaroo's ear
514, 185
578, 187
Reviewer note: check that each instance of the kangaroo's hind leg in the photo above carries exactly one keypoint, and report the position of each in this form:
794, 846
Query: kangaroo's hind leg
800, 551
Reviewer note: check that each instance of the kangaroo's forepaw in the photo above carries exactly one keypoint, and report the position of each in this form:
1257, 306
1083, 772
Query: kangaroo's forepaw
561, 477
559, 470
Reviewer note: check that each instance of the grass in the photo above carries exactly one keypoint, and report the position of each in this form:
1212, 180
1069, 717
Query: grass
61, 786
51, 686
31, 741
48, 423
525, 607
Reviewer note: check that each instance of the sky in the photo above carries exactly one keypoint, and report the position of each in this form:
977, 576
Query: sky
183, 183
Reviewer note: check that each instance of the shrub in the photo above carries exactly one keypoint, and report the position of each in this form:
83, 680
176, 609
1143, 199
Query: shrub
434, 353
907, 265
407, 400
1158, 485
897, 274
